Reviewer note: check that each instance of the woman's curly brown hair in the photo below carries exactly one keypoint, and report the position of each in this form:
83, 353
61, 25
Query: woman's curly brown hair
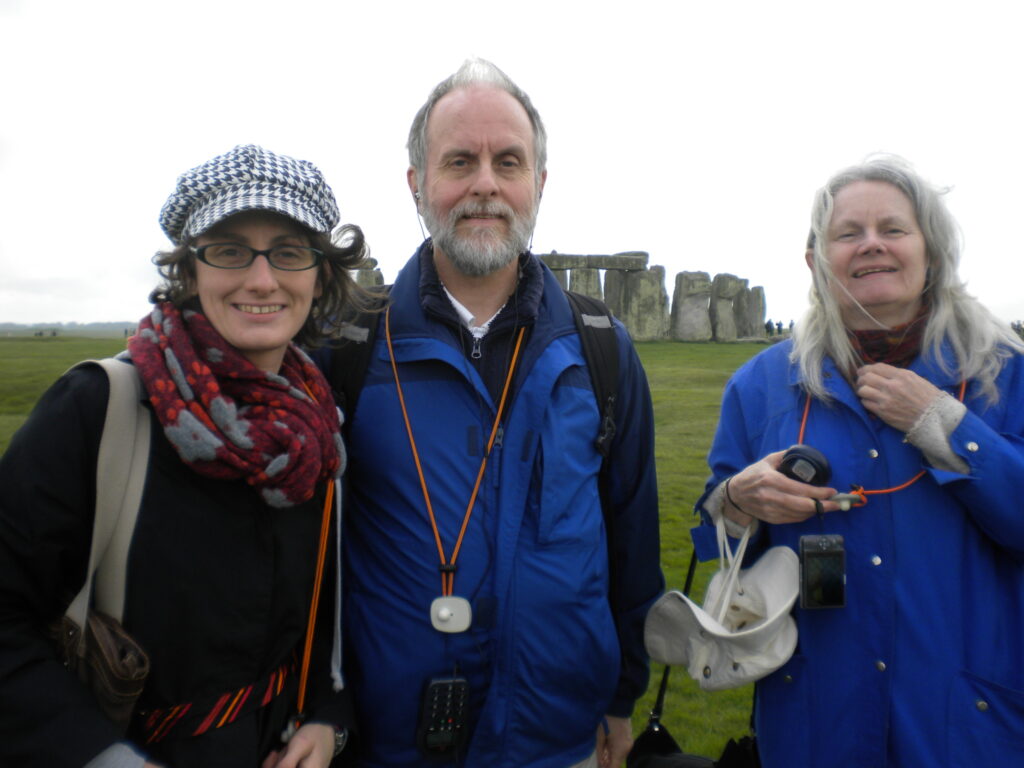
340, 297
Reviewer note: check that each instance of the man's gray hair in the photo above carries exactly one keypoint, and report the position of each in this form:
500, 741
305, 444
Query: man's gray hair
474, 72
979, 341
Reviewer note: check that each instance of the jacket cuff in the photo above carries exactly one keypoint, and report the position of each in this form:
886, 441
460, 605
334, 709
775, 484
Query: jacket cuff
335, 710
930, 433
714, 504
120, 755
621, 707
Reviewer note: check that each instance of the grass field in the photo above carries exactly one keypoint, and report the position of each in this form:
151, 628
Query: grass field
686, 384
28, 365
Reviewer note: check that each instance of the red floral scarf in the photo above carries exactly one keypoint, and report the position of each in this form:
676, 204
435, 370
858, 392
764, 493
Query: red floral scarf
228, 419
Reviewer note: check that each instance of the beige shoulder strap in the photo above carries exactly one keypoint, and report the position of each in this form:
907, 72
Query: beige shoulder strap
120, 478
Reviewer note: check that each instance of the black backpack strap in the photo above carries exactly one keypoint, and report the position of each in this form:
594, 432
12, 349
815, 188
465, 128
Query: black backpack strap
600, 343
601, 350
350, 356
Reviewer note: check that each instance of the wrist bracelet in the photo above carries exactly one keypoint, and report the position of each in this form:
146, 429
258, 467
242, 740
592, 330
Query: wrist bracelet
729, 497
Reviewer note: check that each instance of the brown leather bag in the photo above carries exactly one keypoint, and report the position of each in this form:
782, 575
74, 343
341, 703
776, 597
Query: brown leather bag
113, 666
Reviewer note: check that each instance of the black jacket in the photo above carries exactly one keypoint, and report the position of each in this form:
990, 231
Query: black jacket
218, 592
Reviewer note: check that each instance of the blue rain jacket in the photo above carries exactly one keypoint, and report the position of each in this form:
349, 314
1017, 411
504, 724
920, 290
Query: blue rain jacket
924, 665
546, 656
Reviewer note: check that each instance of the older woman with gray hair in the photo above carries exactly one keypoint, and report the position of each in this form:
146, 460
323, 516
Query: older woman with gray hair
909, 389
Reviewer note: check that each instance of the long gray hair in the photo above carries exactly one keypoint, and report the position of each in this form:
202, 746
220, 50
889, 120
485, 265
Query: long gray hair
980, 342
474, 72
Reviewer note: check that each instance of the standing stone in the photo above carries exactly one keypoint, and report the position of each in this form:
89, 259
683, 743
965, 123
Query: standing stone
724, 290
690, 319
614, 290
586, 281
562, 276
366, 273
740, 313
756, 310
640, 301
368, 278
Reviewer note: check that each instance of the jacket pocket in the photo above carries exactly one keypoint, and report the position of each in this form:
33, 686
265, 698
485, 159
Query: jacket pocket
985, 723
565, 471
568, 508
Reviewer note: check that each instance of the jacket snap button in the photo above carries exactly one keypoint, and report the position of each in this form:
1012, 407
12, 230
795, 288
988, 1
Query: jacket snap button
873, 453
876, 560
982, 705
787, 679
880, 665
972, 447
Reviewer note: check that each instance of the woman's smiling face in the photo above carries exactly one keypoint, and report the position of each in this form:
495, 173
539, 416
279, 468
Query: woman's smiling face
257, 309
877, 253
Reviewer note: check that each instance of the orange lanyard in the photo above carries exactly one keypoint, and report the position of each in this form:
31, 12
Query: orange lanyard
448, 566
307, 650
858, 490
325, 526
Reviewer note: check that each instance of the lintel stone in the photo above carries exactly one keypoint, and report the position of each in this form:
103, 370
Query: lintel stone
631, 260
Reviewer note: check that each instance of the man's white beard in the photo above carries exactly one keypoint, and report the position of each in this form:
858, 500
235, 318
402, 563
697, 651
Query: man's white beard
480, 253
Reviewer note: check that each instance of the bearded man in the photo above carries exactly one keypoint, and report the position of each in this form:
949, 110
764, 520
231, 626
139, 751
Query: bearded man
483, 627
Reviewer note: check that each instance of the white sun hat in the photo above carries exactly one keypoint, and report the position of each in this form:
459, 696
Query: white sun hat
744, 632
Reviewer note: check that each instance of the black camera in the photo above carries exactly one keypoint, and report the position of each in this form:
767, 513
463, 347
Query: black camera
822, 571
806, 464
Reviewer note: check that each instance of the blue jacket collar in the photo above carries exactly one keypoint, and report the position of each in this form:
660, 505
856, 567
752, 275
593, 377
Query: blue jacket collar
522, 306
925, 365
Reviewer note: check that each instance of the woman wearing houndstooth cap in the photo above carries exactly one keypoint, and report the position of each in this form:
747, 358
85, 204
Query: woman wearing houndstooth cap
238, 504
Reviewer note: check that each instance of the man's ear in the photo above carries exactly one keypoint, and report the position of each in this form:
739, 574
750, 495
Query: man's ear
410, 177
809, 258
540, 188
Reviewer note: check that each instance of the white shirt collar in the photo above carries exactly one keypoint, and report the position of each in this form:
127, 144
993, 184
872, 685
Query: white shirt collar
477, 331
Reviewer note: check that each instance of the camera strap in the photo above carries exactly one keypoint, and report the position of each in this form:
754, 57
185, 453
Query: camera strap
447, 565
859, 490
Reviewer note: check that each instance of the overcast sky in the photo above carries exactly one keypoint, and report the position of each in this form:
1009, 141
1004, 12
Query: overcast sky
697, 132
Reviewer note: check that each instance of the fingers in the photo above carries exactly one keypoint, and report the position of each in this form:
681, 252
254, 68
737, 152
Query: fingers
895, 395
763, 492
603, 757
617, 742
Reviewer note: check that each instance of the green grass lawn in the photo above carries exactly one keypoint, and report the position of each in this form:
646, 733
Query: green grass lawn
686, 384
28, 365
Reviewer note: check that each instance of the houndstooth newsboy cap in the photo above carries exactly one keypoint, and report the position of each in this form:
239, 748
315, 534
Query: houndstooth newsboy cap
244, 179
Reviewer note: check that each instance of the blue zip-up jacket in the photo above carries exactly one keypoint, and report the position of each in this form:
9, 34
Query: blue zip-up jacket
924, 666
546, 657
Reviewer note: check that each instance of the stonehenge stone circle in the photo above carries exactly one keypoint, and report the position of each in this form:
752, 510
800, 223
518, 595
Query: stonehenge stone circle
723, 308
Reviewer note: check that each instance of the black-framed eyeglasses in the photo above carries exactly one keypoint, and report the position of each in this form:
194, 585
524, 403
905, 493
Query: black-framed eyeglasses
290, 258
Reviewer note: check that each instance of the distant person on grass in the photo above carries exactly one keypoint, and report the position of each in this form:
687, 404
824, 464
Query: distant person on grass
912, 390
245, 446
